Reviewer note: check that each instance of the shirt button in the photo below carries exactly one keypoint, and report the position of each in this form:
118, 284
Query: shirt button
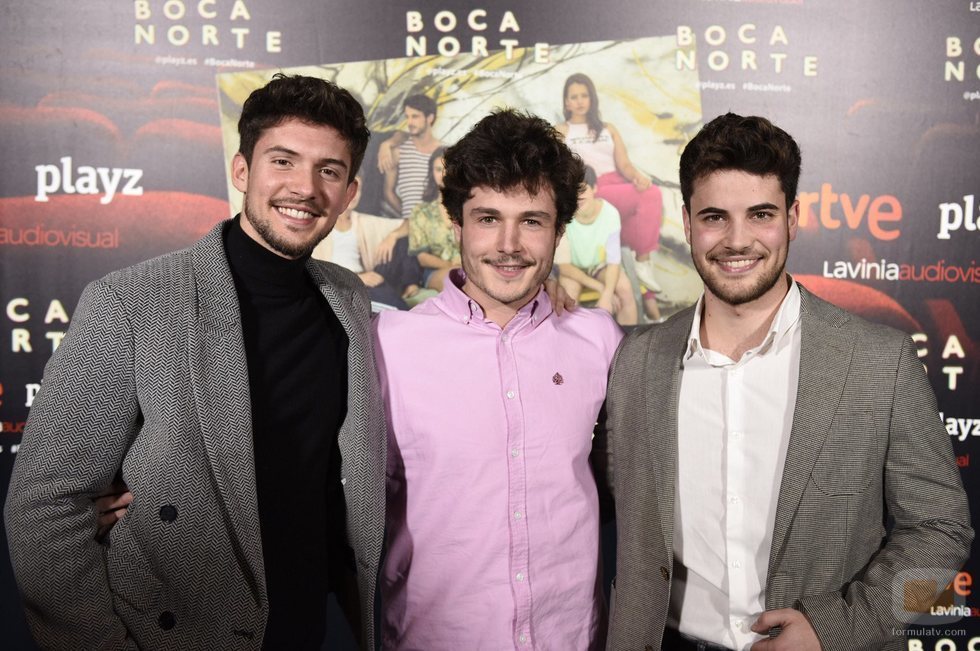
522, 638
733, 499
511, 394
515, 452
737, 564
520, 576
517, 515
504, 338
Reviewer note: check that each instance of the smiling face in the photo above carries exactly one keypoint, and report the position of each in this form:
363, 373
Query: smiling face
577, 101
739, 230
507, 244
295, 186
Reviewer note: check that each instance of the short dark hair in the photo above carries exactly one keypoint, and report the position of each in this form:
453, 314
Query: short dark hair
309, 99
751, 144
422, 103
510, 149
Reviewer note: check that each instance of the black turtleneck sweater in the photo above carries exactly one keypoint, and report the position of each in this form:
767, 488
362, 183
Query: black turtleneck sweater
296, 351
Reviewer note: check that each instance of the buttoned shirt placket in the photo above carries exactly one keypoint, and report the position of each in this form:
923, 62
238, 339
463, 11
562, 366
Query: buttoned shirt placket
520, 579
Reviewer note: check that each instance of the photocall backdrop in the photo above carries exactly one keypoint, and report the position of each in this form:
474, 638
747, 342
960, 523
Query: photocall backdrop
117, 122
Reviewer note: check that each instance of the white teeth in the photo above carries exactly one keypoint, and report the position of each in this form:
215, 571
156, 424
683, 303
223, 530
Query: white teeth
295, 214
738, 264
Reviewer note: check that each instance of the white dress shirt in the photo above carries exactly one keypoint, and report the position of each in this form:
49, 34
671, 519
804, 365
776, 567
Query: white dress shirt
734, 422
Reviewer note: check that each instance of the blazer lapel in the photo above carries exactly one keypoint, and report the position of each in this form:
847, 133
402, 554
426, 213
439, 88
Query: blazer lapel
825, 355
664, 382
219, 378
340, 302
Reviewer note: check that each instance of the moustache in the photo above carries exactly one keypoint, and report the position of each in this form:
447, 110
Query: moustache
509, 261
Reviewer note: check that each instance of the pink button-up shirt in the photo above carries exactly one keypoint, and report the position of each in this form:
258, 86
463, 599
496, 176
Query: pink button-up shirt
493, 517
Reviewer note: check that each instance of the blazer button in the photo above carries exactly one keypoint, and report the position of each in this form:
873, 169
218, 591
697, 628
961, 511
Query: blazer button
167, 620
168, 513
664, 573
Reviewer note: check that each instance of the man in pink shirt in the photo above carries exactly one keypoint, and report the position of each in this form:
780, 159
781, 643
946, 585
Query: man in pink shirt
493, 516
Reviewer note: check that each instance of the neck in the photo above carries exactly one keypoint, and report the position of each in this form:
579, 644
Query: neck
577, 119
733, 329
424, 139
493, 310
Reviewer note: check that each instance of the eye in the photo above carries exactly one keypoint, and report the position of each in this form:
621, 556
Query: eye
280, 162
329, 172
486, 219
763, 215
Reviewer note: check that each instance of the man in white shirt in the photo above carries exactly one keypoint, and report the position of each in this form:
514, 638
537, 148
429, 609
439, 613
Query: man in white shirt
779, 471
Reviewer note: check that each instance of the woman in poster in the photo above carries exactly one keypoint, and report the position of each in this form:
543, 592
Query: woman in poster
600, 146
430, 231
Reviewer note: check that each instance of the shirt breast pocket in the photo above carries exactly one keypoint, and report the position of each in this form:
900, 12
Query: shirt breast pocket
849, 458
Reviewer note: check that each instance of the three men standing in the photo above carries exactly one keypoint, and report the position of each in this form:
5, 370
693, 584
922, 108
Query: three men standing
776, 462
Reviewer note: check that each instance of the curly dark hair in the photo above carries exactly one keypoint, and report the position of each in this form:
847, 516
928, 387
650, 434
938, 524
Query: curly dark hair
511, 149
751, 144
309, 99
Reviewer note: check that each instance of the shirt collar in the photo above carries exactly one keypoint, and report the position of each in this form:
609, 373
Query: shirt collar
457, 304
786, 317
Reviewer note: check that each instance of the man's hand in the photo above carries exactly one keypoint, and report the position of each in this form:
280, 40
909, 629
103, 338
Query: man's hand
111, 507
371, 278
797, 633
386, 162
560, 300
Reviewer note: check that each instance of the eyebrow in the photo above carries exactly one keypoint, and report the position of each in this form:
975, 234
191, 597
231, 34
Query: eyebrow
494, 211
757, 207
279, 149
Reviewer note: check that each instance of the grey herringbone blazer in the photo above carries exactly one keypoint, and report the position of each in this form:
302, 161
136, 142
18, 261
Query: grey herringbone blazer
151, 379
866, 445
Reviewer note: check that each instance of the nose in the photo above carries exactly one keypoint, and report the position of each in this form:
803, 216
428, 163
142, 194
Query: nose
509, 237
739, 235
301, 183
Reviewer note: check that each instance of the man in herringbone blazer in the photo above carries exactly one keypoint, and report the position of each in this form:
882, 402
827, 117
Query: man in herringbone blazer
214, 381
779, 471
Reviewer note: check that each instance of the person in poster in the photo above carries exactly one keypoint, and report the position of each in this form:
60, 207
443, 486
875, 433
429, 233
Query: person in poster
406, 174
231, 386
634, 195
779, 471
